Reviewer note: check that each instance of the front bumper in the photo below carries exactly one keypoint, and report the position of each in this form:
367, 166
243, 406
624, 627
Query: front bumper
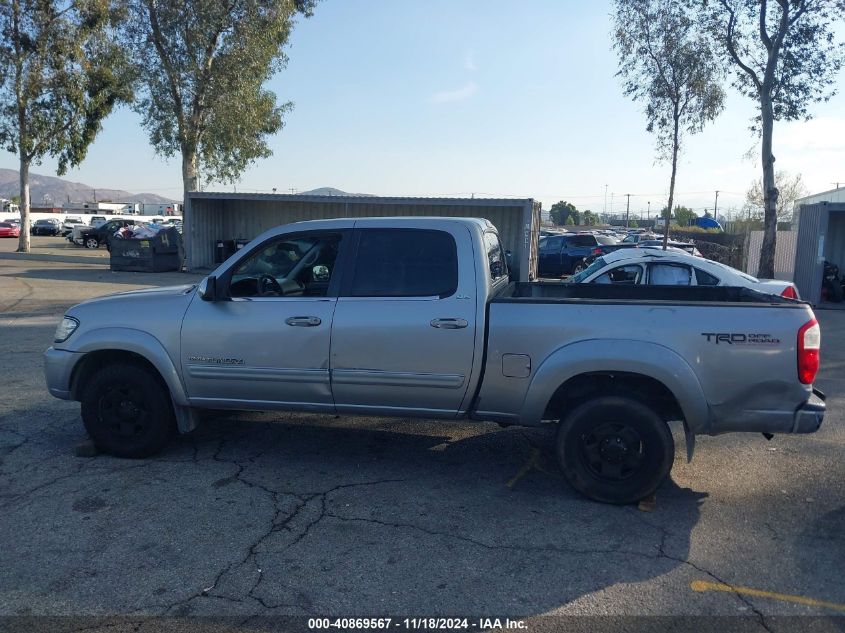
58, 368
809, 417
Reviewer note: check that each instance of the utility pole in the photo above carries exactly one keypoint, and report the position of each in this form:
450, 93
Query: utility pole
627, 209
836, 183
605, 199
716, 204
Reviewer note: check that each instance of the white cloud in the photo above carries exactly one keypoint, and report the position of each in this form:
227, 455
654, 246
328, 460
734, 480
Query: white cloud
469, 62
445, 96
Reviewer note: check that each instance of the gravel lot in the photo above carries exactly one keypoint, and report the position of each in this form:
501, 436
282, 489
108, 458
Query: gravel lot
275, 514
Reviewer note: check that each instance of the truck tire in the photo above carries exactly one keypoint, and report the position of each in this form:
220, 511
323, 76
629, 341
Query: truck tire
615, 449
92, 242
127, 412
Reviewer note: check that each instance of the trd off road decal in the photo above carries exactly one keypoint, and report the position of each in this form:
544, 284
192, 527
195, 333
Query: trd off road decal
736, 338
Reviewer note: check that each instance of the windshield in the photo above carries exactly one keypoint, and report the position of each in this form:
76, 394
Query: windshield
589, 270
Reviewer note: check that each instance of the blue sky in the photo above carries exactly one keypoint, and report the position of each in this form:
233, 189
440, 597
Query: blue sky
495, 98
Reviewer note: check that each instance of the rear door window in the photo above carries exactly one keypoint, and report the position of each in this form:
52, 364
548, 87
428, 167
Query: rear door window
404, 263
669, 275
551, 244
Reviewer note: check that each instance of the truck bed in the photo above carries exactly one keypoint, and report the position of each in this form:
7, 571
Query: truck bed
728, 355
561, 292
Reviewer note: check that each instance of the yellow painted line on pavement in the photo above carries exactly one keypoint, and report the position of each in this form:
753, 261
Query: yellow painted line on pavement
703, 585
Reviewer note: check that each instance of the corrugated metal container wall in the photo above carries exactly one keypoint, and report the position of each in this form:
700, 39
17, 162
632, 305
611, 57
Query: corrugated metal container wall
809, 258
834, 246
244, 218
784, 253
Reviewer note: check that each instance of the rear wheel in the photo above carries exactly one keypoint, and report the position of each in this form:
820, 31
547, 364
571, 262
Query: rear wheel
127, 412
615, 449
92, 242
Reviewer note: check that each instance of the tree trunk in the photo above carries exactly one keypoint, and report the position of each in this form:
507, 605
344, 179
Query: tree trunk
190, 182
672, 180
23, 241
770, 192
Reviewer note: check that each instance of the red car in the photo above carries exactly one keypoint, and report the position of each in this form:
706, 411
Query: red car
7, 229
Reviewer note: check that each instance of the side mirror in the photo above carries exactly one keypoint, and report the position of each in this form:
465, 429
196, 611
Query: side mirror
320, 273
208, 288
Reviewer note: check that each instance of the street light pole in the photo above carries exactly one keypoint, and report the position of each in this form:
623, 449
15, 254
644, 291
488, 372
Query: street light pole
716, 204
627, 209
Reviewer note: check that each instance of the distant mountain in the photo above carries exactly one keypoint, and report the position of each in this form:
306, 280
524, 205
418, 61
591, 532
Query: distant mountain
51, 190
331, 191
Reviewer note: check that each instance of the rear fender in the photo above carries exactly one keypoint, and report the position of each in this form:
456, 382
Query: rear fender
608, 356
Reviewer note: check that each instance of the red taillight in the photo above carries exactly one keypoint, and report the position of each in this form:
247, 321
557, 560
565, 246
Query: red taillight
809, 342
789, 293
596, 251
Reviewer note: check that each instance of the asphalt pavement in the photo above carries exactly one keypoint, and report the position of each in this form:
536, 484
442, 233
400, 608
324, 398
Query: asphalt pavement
261, 514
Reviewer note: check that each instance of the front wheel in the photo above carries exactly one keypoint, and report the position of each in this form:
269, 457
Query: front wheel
615, 449
127, 412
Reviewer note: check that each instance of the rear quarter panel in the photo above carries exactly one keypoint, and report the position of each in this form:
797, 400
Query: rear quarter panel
733, 367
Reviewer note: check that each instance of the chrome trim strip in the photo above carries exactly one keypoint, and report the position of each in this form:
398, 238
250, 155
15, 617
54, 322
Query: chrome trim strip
265, 374
375, 378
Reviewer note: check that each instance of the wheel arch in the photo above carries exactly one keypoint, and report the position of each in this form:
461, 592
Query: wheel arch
123, 344
650, 369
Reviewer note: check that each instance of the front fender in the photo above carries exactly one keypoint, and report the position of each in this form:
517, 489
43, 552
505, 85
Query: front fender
614, 355
138, 342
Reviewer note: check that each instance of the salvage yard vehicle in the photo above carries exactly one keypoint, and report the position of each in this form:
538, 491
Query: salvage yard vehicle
46, 226
674, 267
103, 234
560, 254
10, 229
417, 317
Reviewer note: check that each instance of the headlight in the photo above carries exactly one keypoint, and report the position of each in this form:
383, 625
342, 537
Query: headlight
65, 329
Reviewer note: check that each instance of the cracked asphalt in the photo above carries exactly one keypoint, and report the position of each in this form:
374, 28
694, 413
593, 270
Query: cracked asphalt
260, 514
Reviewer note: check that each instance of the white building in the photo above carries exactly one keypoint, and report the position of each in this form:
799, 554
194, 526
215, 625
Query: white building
119, 208
164, 209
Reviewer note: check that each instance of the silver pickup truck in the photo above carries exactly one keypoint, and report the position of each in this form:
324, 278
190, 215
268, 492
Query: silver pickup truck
417, 317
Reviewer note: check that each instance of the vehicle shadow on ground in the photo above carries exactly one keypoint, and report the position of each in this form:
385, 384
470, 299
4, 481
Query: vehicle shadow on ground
440, 518
300, 514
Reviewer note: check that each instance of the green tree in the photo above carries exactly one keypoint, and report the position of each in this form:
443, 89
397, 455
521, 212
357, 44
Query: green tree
201, 67
684, 215
569, 221
590, 218
561, 210
61, 74
784, 56
667, 62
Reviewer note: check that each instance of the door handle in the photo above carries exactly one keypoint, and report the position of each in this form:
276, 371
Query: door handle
303, 321
449, 324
